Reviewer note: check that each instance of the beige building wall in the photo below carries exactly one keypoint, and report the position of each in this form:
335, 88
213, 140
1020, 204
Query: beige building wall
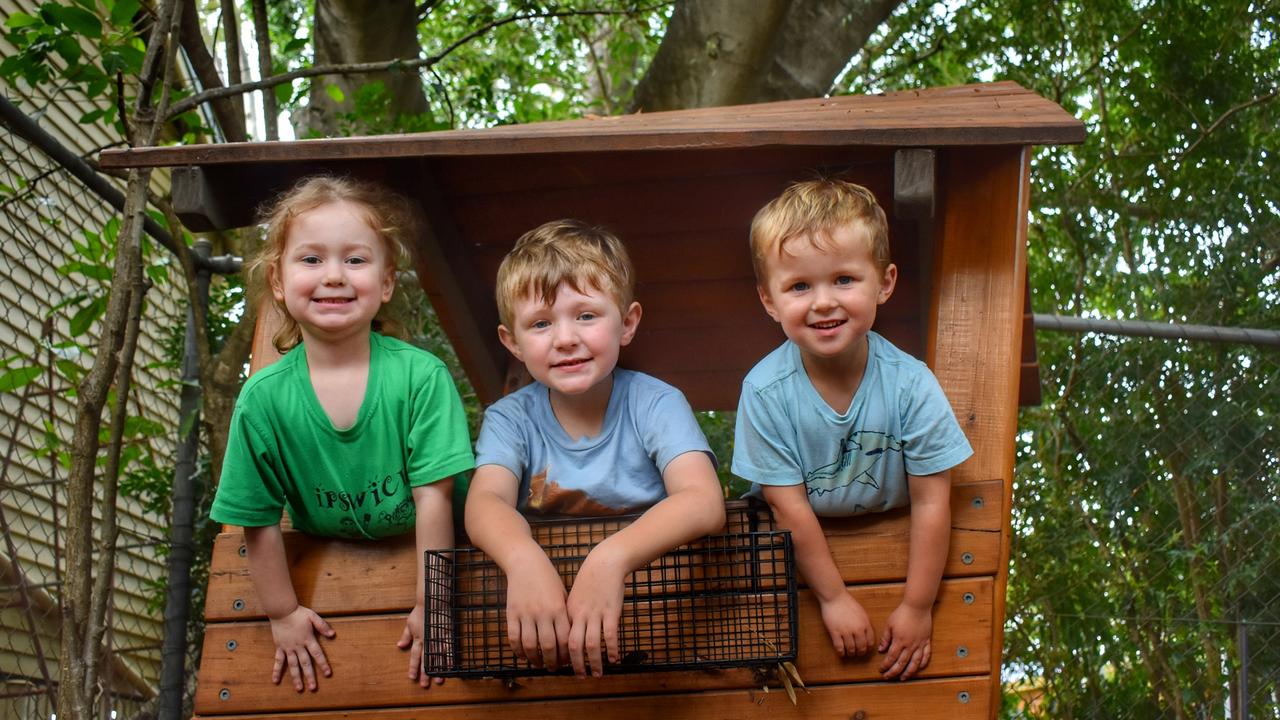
39, 223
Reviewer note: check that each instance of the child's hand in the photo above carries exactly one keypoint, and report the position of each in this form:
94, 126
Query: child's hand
296, 646
906, 640
411, 638
594, 606
847, 623
537, 625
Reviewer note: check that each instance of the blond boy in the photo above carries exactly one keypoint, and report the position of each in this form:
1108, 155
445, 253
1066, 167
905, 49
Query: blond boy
586, 438
837, 421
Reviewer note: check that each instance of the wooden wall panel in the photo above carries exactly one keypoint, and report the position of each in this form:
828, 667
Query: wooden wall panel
369, 671
354, 577
976, 323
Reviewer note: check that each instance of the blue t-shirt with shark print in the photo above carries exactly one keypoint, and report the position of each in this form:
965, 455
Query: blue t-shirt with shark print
854, 462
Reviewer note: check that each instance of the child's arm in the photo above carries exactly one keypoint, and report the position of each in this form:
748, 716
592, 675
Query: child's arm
537, 626
293, 626
433, 528
694, 507
846, 622
906, 638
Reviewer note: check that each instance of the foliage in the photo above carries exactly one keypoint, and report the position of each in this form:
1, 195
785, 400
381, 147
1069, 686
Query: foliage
1143, 512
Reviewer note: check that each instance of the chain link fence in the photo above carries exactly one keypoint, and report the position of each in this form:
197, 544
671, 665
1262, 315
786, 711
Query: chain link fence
1146, 551
59, 242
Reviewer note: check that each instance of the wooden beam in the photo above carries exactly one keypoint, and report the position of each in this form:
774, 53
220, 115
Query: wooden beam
468, 314
369, 671
976, 322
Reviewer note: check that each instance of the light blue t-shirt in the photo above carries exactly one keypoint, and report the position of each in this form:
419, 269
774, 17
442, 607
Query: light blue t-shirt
648, 424
855, 462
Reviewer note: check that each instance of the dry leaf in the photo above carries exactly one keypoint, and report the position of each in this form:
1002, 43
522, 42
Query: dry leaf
795, 675
786, 685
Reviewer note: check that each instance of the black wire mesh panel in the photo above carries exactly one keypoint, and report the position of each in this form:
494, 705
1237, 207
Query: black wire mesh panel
722, 601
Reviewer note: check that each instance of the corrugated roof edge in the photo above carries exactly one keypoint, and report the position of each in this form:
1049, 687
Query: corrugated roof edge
1002, 113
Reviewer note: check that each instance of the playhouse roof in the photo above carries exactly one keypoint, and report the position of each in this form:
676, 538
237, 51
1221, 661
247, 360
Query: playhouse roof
679, 187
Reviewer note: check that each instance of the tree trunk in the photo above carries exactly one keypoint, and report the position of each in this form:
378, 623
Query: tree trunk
720, 52
350, 31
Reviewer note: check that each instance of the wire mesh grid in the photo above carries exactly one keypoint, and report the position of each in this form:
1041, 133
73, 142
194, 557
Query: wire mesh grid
1146, 557
44, 212
723, 601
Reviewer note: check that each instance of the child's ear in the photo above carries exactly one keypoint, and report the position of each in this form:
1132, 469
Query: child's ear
389, 284
767, 301
508, 339
887, 283
273, 281
630, 323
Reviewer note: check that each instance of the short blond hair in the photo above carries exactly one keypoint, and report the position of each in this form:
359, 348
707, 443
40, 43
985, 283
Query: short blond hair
813, 209
387, 213
564, 251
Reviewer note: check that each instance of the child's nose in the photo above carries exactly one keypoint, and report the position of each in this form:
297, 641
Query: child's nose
563, 335
822, 300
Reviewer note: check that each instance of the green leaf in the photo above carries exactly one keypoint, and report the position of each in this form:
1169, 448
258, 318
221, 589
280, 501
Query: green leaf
86, 316
15, 379
21, 20
68, 48
76, 19
335, 93
122, 12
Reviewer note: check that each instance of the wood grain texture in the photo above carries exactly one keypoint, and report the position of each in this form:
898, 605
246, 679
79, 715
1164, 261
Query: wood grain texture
962, 698
369, 671
333, 576
1001, 113
977, 320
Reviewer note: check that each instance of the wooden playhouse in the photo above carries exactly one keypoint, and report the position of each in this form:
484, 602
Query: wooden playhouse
951, 167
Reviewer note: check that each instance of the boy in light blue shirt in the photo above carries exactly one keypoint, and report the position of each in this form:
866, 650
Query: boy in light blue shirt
837, 421
586, 438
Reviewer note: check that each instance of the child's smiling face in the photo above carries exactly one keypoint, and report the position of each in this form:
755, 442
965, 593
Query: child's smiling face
826, 300
571, 345
335, 272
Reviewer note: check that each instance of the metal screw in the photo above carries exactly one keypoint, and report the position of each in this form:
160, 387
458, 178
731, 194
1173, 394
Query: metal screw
244, 551
967, 558
237, 604
860, 715
977, 502
962, 651
968, 598
963, 697
231, 645
224, 694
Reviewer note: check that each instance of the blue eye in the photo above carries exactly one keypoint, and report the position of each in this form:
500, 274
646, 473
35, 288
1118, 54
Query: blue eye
356, 260
540, 324
800, 287
844, 280
586, 316
311, 259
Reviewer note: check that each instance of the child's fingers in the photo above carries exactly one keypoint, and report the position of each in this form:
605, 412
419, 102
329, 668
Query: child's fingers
886, 639
547, 643
415, 658
916, 664
294, 671
837, 642
593, 646
514, 635
321, 662
576, 644
611, 638
529, 641
406, 637
562, 628
277, 670
321, 626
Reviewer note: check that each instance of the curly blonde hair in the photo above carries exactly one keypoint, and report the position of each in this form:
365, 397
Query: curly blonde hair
812, 209
564, 251
389, 215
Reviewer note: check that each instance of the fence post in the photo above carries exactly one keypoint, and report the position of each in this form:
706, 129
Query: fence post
1242, 642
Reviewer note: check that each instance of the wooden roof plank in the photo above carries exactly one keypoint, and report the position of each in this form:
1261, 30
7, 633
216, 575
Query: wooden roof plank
995, 114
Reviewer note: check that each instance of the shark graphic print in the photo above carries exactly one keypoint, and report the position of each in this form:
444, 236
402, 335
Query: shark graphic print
855, 472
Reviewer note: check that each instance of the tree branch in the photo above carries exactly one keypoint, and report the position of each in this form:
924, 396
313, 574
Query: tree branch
399, 63
1225, 116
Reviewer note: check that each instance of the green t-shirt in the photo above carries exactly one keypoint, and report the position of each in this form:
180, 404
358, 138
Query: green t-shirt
283, 451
